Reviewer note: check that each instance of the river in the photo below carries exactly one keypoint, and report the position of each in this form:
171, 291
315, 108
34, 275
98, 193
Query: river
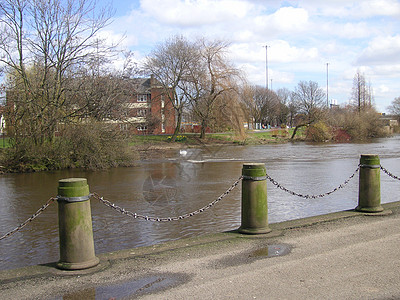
183, 181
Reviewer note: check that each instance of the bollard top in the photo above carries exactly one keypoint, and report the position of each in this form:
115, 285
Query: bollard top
370, 160
254, 169
72, 181
73, 187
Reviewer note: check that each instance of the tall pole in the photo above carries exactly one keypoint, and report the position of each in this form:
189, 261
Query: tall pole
266, 66
327, 84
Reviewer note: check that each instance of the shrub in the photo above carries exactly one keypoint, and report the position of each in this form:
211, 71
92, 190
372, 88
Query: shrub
318, 132
89, 146
362, 125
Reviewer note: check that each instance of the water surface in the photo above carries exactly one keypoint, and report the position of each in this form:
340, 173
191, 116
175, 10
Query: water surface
183, 182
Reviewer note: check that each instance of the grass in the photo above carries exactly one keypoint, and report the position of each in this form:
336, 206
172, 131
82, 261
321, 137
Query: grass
265, 137
146, 139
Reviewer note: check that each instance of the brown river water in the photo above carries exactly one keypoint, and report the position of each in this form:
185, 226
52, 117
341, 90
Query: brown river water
181, 182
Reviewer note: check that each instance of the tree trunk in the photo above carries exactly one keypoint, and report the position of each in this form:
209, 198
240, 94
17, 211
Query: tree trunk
178, 125
203, 129
295, 130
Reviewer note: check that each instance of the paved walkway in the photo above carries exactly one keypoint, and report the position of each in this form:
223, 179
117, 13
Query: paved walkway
338, 256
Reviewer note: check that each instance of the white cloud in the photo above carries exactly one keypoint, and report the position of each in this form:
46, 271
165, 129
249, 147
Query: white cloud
286, 19
379, 8
389, 71
290, 18
113, 38
279, 51
352, 9
383, 89
382, 50
351, 30
195, 12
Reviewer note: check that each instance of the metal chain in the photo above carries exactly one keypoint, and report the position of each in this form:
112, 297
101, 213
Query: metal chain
36, 214
389, 174
154, 219
278, 185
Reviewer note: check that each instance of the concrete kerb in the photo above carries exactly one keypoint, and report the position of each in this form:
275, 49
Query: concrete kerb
163, 251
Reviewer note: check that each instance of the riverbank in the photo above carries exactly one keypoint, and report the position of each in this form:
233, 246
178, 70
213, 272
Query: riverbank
150, 146
153, 146
344, 255
255, 137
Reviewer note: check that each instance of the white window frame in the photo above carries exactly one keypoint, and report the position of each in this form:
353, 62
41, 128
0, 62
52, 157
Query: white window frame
141, 128
141, 112
142, 98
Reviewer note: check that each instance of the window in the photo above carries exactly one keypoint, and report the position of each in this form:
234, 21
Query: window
142, 98
142, 128
123, 127
163, 127
142, 112
162, 101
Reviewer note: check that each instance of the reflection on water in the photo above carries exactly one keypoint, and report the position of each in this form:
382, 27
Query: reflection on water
180, 184
124, 290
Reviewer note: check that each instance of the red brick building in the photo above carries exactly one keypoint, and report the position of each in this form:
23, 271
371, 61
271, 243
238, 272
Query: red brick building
149, 110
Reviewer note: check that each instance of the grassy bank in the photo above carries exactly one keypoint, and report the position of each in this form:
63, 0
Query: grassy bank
251, 138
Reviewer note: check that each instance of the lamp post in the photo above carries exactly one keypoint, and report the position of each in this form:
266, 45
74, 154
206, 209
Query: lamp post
266, 66
327, 84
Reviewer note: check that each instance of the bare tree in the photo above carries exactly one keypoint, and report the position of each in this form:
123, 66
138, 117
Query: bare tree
362, 94
261, 103
170, 63
310, 102
210, 78
42, 45
99, 91
394, 108
228, 113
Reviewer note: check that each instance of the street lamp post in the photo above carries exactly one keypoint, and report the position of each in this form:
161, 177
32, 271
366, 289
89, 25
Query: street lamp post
266, 66
327, 84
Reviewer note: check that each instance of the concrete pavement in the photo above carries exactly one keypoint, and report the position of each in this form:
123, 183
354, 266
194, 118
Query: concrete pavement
345, 255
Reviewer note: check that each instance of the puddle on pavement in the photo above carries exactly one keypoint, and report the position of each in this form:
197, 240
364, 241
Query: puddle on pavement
271, 251
124, 290
251, 255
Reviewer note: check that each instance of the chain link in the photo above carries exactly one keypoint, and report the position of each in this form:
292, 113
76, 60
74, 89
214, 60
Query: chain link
155, 219
36, 214
278, 185
389, 174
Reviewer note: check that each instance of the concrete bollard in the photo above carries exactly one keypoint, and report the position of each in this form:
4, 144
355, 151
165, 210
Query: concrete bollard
254, 199
369, 193
75, 225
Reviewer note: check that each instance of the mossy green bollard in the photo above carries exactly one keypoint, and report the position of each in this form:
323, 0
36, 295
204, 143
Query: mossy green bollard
369, 194
254, 199
75, 225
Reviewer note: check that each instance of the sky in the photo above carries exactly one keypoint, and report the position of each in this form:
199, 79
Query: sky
302, 37
326, 41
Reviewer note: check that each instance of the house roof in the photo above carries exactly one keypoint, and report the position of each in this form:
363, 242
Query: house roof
142, 85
